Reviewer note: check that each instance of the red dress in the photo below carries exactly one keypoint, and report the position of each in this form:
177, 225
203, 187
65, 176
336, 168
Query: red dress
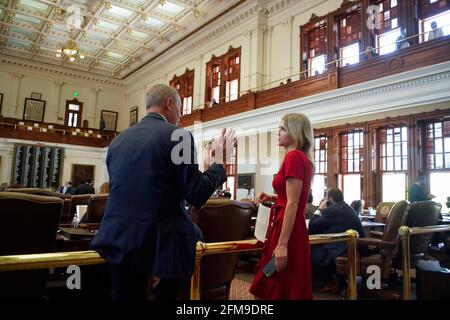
294, 282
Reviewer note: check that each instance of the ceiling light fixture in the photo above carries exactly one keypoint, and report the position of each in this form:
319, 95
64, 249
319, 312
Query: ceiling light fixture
196, 13
162, 2
176, 27
70, 49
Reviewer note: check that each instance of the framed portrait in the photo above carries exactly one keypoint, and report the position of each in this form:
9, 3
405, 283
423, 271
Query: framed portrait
36, 95
34, 110
133, 115
1, 102
110, 118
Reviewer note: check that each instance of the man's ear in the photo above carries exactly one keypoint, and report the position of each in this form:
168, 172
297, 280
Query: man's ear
169, 104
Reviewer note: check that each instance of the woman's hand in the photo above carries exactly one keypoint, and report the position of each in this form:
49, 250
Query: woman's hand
262, 197
280, 254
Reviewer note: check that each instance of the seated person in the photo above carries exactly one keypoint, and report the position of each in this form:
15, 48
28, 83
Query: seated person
85, 188
310, 208
334, 216
435, 32
417, 191
401, 40
67, 188
357, 205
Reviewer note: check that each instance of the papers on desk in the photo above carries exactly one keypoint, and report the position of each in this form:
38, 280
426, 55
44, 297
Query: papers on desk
81, 211
307, 223
262, 222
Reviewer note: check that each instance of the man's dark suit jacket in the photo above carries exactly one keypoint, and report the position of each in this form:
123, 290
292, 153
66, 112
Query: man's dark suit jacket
84, 188
339, 217
417, 193
146, 227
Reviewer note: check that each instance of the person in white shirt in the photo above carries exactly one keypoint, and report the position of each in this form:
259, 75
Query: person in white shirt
435, 32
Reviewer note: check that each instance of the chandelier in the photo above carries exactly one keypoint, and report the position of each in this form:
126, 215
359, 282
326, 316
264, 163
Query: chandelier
74, 22
70, 49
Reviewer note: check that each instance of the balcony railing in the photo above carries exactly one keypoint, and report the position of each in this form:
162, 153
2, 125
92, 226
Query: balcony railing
415, 57
56, 133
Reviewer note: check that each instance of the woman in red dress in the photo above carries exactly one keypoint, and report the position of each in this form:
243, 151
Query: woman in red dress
287, 234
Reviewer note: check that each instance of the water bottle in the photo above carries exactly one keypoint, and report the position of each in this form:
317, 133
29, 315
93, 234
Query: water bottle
75, 221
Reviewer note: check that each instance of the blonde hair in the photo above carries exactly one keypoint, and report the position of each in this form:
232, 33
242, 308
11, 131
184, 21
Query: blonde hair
104, 188
299, 129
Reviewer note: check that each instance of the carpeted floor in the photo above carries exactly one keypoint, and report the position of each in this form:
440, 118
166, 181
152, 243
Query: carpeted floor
242, 282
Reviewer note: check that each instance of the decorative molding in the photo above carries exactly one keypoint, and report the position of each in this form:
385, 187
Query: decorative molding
55, 70
288, 21
197, 41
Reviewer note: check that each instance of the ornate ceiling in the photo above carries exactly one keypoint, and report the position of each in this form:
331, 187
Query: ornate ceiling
114, 37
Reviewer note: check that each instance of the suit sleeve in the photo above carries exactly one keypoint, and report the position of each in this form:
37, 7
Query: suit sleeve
319, 223
196, 186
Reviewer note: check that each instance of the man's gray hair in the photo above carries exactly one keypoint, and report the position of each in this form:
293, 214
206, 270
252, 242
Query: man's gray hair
158, 94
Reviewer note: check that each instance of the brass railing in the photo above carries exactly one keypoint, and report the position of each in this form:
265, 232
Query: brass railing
63, 259
49, 260
405, 233
203, 249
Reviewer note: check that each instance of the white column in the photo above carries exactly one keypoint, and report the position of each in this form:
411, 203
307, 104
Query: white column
268, 49
15, 110
199, 98
248, 42
288, 23
257, 57
60, 107
94, 116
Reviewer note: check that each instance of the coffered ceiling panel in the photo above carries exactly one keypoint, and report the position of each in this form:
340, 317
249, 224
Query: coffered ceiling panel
105, 37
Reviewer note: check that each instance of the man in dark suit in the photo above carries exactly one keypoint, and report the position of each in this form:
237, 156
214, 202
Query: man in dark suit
417, 191
335, 216
85, 188
146, 230
67, 188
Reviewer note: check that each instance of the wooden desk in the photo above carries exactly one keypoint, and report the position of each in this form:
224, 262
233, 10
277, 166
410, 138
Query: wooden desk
65, 243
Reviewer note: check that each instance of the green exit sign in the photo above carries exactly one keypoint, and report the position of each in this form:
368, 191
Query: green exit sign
75, 94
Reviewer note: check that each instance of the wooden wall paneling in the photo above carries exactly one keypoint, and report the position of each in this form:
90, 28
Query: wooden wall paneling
368, 186
365, 41
332, 55
411, 21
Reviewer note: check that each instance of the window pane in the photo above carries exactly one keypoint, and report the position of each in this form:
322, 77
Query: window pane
75, 119
318, 188
439, 187
350, 54
215, 94
390, 164
442, 24
394, 187
447, 160
386, 41
352, 187
69, 122
233, 92
317, 65
439, 161
447, 144
74, 107
438, 146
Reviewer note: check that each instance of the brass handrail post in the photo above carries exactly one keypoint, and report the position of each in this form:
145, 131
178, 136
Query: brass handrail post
195, 279
405, 233
351, 243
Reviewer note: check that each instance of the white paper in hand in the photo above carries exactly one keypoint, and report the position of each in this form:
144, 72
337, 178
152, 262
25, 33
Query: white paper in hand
262, 222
